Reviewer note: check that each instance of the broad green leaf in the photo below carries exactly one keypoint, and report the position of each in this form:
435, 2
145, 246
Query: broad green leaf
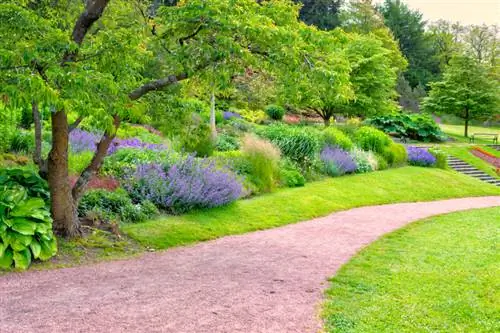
36, 248
43, 228
22, 259
28, 207
48, 249
19, 242
24, 226
6, 259
3, 247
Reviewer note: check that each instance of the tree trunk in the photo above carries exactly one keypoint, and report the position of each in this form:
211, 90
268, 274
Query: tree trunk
326, 121
213, 127
63, 210
37, 154
466, 131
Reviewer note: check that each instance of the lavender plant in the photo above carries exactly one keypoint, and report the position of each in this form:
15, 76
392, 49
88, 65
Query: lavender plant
189, 183
337, 161
420, 157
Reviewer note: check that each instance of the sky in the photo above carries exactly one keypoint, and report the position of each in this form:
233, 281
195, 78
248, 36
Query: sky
464, 11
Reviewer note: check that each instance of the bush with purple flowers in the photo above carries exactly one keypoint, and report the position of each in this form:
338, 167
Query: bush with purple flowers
337, 161
227, 115
190, 183
420, 157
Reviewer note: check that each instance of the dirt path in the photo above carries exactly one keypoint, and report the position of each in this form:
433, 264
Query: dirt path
267, 281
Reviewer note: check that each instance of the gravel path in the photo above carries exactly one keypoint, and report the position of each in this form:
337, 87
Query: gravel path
267, 281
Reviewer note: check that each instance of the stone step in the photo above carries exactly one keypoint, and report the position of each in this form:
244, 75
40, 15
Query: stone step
467, 169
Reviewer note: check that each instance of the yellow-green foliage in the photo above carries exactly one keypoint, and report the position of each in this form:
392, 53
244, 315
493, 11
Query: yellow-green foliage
335, 137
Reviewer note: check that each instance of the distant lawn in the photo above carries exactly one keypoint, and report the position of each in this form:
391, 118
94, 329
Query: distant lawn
463, 153
457, 132
438, 275
316, 199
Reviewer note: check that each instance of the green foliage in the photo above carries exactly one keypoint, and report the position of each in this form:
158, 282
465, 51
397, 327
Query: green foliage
227, 142
441, 157
421, 127
299, 144
333, 136
395, 154
381, 162
253, 116
366, 161
22, 141
78, 162
114, 206
25, 222
263, 161
275, 112
290, 174
126, 159
128, 131
466, 91
369, 138
320, 13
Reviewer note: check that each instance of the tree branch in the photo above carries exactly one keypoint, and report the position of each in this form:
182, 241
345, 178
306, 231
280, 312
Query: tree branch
156, 85
75, 124
182, 40
92, 13
94, 166
37, 154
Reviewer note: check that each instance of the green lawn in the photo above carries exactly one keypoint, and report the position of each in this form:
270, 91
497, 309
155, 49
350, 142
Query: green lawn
457, 132
438, 275
463, 153
315, 199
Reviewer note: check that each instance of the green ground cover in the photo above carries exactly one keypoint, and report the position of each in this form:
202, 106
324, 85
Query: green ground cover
438, 275
457, 132
463, 153
315, 199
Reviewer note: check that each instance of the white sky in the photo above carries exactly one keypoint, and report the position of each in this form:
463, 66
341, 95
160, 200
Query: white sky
464, 11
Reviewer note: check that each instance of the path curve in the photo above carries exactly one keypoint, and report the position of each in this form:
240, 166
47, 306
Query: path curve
267, 281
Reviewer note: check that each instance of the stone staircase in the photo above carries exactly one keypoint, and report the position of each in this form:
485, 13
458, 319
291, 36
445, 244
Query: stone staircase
467, 169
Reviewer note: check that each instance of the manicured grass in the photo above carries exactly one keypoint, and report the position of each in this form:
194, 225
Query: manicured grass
463, 153
315, 199
438, 275
457, 132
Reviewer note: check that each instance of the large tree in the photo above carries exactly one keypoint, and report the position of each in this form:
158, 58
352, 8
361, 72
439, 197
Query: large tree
408, 28
323, 14
99, 59
466, 90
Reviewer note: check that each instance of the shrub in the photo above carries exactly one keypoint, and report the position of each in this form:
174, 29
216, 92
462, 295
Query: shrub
420, 157
275, 112
299, 144
113, 206
337, 161
22, 142
290, 175
25, 222
78, 162
335, 137
395, 154
143, 133
253, 116
381, 162
369, 138
228, 115
419, 127
226, 143
189, 183
262, 158
441, 158
365, 160
125, 161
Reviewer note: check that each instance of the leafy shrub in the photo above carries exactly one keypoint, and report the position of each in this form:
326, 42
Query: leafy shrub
13, 160
189, 184
415, 126
228, 115
420, 157
441, 158
337, 161
114, 206
22, 142
253, 116
335, 137
275, 112
369, 138
126, 160
25, 222
290, 174
299, 144
78, 162
395, 154
127, 131
226, 143
365, 160
198, 140
262, 158
381, 162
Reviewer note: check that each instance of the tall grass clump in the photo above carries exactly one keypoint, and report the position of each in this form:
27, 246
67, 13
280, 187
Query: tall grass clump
369, 138
334, 137
262, 159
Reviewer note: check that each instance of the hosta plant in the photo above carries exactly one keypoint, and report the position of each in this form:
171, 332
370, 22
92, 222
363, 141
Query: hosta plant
25, 222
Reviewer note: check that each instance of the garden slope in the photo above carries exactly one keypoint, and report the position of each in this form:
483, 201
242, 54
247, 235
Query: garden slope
407, 184
267, 281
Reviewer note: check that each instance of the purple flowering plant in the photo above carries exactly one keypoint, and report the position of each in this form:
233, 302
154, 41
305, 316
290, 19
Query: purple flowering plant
337, 161
420, 157
188, 184
229, 115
